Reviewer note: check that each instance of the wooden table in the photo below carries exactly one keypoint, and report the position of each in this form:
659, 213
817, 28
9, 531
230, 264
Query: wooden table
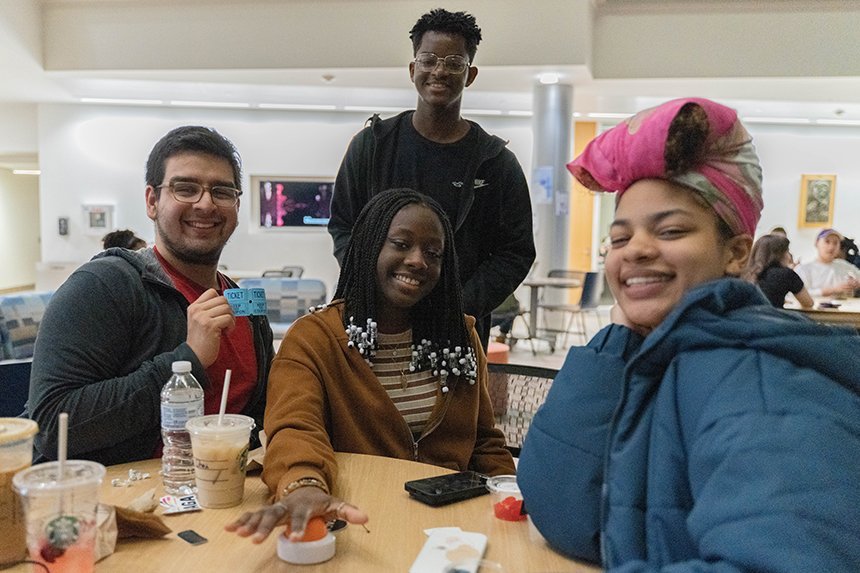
371, 482
847, 314
535, 285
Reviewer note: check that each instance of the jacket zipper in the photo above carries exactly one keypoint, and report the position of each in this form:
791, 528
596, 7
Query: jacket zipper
447, 401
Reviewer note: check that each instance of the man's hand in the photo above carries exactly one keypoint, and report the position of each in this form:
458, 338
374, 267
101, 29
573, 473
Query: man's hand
208, 316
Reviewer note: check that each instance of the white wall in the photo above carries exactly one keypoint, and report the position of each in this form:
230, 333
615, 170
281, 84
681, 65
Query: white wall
96, 154
789, 152
19, 227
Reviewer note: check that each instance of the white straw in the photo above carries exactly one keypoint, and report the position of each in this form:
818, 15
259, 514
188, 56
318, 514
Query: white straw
224, 392
62, 445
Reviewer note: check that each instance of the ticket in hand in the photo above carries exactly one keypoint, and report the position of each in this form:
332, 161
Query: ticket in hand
246, 301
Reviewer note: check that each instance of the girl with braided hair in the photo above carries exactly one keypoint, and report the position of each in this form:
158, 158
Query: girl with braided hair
391, 367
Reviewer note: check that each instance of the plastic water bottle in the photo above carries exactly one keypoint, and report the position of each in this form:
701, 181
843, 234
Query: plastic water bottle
181, 400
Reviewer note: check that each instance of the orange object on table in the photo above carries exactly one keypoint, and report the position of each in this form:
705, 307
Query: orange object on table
497, 353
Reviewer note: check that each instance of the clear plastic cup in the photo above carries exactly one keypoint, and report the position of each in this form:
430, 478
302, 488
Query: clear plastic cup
61, 513
16, 454
220, 457
506, 497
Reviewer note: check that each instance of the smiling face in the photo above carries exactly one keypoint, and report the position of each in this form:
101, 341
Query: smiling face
828, 247
441, 88
408, 266
665, 242
192, 233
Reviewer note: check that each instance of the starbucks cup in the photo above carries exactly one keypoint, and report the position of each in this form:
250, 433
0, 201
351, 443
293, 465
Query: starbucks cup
16, 454
60, 513
220, 456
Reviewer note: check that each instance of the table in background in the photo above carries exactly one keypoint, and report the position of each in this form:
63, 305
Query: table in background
848, 313
535, 285
374, 483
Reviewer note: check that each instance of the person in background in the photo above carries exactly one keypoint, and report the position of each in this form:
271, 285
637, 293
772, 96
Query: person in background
391, 367
114, 328
704, 430
503, 317
829, 275
125, 239
770, 268
432, 149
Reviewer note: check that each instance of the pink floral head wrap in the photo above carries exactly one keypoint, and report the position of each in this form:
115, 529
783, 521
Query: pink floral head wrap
728, 176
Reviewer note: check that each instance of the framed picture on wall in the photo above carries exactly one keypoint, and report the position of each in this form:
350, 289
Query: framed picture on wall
284, 202
817, 195
98, 219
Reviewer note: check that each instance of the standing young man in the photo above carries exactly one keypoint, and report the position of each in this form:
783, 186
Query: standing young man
434, 150
113, 329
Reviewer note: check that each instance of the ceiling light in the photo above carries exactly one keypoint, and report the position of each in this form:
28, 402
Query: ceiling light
838, 122
110, 100
521, 112
379, 108
298, 106
549, 78
226, 104
26, 172
481, 111
778, 120
608, 115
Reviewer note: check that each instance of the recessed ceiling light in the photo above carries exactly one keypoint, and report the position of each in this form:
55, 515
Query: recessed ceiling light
778, 120
120, 101
26, 172
369, 108
521, 112
227, 104
298, 106
838, 122
549, 78
481, 111
608, 115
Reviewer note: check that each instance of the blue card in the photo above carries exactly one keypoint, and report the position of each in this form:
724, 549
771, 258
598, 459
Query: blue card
257, 299
238, 300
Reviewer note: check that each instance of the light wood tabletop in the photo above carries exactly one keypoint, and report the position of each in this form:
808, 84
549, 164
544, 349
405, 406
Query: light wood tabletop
847, 311
373, 483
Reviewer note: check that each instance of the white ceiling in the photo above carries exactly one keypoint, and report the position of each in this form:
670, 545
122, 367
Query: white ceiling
498, 87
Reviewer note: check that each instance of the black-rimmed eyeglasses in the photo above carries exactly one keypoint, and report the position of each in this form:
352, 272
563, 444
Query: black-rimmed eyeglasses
191, 192
455, 64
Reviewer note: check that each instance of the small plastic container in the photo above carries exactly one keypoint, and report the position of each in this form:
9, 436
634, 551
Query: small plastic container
306, 552
506, 498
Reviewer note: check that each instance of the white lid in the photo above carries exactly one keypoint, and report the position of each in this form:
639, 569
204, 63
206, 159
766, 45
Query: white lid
181, 366
306, 552
16, 429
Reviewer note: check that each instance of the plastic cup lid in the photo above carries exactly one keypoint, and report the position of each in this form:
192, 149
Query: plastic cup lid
45, 477
16, 429
503, 484
208, 425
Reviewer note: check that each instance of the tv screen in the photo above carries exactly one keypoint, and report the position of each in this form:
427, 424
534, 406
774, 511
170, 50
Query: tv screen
289, 202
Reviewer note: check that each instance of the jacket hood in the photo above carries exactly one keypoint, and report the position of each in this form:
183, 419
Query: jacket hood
144, 260
731, 313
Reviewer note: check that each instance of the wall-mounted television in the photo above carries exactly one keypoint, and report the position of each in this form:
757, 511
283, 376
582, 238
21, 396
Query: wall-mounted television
292, 202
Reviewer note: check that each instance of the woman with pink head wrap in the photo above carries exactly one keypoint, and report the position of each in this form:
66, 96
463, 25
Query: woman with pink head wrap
704, 430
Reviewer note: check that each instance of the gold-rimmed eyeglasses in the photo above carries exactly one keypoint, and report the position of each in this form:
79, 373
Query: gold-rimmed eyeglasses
191, 192
455, 63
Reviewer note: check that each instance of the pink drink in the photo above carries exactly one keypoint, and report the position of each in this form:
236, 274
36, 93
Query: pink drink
77, 558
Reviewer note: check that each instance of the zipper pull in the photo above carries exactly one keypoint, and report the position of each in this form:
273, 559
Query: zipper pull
415, 450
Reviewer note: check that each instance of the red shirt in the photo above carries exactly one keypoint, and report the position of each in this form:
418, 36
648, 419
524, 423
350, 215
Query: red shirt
236, 351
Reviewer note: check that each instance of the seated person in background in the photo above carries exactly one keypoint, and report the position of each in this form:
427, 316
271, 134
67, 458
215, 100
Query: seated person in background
113, 329
770, 268
346, 377
704, 431
828, 275
125, 239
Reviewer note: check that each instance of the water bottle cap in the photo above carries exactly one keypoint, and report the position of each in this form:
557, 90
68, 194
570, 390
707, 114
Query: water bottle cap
181, 366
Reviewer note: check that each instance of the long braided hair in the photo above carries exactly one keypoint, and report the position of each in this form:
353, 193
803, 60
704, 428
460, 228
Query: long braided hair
438, 317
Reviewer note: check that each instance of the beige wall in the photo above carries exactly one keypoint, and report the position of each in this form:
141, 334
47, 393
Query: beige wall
19, 226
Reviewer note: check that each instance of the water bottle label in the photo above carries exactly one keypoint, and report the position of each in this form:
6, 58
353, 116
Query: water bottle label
174, 416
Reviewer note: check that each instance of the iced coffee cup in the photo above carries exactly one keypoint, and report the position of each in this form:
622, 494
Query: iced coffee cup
220, 457
60, 513
16, 454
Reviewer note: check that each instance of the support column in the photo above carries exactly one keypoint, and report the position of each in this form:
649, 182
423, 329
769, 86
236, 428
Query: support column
552, 124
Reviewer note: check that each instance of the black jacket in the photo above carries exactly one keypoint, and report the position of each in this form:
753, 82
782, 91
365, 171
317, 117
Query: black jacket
104, 351
493, 232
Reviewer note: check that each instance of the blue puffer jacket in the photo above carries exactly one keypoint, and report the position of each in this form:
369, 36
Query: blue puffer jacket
727, 440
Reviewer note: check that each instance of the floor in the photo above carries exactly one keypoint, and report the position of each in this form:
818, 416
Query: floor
521, 352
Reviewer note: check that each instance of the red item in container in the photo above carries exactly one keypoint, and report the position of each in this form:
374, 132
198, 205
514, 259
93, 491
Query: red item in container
509, 509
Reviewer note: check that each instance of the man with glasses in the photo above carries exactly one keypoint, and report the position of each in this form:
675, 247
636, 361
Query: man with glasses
434, 150
113, 329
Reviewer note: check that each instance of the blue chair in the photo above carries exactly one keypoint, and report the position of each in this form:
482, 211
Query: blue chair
20, 315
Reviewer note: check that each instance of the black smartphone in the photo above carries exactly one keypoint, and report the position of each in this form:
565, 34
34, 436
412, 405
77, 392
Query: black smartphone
449, 488
192, 537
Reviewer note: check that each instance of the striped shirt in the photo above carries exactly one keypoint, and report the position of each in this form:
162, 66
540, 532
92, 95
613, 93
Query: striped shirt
413, 393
